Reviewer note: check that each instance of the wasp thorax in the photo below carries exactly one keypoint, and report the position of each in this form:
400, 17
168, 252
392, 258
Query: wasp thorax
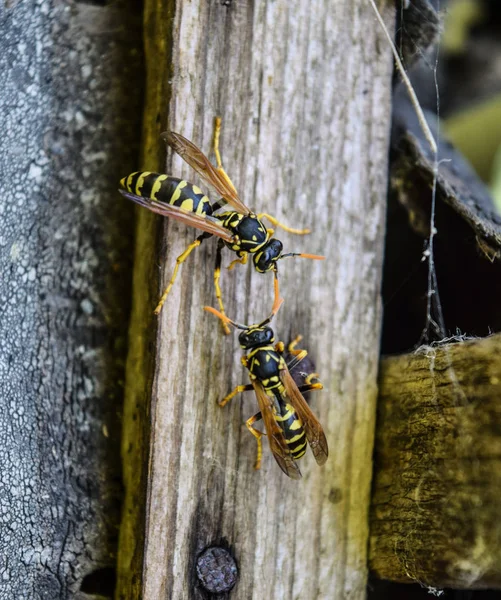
265, 259
253, 338
251, 232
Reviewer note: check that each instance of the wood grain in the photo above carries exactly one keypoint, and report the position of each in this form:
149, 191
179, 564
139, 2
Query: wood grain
303, 90
435, 505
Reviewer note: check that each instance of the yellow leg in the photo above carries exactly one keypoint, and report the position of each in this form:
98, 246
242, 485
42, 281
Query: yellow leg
219, 296
238, 390
217, 275
315, 385
258, 435
238, 261
277, 223
217, 133
291, 348
298, 355
310, 387
179, 261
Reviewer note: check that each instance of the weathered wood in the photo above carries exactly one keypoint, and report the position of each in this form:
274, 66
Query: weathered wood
303, 89
69, 126
435, 506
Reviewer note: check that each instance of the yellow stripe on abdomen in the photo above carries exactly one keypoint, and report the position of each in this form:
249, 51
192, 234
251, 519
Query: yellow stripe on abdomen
178, 191
140, 182
128, 181
157, 185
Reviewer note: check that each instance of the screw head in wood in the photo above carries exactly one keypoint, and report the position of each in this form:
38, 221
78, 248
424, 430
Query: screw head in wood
217, 570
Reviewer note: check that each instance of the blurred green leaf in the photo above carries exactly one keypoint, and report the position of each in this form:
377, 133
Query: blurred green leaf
476, 132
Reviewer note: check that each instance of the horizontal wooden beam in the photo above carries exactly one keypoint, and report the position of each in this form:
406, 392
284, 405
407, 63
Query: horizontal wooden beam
435, 509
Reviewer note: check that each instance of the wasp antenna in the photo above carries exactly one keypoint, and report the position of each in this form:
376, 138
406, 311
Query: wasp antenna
224, 318
302, 255
274, 311
277, 301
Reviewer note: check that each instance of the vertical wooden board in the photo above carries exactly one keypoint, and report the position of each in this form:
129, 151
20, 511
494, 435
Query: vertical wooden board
70, 100
303, 89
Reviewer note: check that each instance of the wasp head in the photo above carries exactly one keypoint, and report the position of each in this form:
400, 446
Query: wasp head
254, 337
265, 259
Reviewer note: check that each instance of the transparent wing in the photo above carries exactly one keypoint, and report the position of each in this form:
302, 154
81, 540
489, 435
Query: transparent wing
276, 438
314, 431
205, 223
202, 165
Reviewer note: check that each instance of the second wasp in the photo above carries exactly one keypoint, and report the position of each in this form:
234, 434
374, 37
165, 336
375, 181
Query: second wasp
240, 229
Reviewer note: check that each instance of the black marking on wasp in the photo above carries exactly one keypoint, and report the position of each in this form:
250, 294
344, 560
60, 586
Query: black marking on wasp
289, 422
240, 229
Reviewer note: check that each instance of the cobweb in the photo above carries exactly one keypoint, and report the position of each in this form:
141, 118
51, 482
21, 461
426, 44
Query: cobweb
434, 333
435, 323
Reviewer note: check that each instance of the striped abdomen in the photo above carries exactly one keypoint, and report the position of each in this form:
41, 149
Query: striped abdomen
169, 190
292, 427
265, 365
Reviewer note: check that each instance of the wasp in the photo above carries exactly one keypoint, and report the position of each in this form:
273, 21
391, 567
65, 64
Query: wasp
240, 229
288, 420
303, 371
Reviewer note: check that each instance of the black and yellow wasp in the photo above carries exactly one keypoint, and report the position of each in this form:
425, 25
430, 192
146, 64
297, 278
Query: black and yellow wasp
288, 420
240, 229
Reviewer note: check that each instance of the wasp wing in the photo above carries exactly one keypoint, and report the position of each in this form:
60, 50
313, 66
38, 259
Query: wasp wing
203, 222
202, 165
314, 432
276, 438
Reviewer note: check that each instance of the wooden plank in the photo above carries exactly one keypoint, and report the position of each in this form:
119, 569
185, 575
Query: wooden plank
435, 505
303, 89
70, 121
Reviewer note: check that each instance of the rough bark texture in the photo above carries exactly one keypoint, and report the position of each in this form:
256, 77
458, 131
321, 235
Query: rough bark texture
69, 127
303, 89
435, 506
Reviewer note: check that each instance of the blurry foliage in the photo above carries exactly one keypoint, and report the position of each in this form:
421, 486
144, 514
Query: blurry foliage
496, 179
471, 35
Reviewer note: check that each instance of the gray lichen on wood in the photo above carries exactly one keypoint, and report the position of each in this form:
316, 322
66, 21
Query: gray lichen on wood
435, 507
304, 96
69, 128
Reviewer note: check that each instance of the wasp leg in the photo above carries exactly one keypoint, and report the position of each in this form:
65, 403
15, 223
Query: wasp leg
217, 133
280, 347
219, 204
179, 261
238, 261
258, 435
277, 223
310, 387
217, 275
238, 390
291, 348
311, 380
299, 355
